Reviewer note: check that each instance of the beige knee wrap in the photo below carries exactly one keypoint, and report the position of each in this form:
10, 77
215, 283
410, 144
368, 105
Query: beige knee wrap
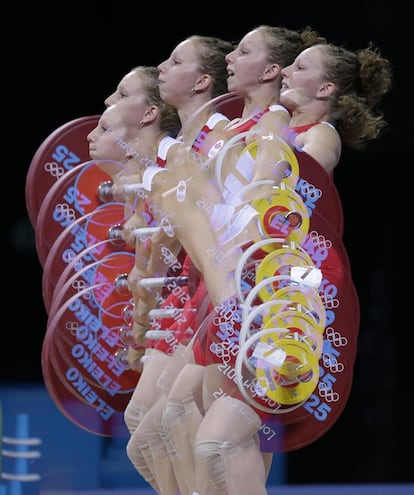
175, 411
137, 448
133, 414
213, 455
135, 451
173, 416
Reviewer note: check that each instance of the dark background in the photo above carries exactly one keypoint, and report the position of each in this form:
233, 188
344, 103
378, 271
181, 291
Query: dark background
61, 62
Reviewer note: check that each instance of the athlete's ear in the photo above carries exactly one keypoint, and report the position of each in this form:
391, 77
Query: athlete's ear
326, 90
271, 72
202, 83
151, 113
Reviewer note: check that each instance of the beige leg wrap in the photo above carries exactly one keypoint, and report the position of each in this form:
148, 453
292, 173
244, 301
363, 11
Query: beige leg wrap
231, 469
137, 449
133, 414
143, 397
150, 432
181, 419
227, 450
213, 455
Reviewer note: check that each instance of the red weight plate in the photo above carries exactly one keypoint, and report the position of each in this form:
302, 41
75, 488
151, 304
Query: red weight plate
62, 206
319, 192
83, 339
88, 408
86, 240
64, 149
102, 275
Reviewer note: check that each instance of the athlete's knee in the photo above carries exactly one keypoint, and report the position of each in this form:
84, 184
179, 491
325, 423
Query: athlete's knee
133, 415
173, 414
212, 454
149, 433
135, 453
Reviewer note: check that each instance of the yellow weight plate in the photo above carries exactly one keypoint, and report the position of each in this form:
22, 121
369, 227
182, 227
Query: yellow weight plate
282, 214
305, 299
299, 326
286, 154
279, 262
287, 370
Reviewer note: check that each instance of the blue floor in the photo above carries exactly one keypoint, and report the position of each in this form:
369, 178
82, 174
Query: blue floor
73, 461
277, 490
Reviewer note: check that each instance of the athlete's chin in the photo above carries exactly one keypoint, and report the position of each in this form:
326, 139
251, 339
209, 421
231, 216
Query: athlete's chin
291, 98
163, 93
231, 85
